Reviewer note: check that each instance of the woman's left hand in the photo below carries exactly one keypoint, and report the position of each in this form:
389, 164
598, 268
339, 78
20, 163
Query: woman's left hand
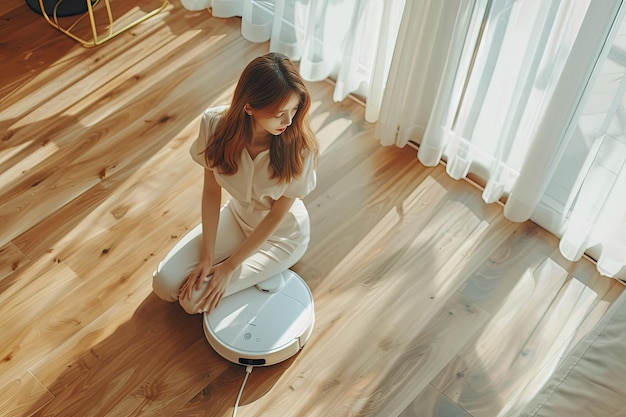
214, 291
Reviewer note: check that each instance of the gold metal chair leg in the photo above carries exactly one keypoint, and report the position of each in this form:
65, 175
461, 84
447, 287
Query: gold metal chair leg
97, 40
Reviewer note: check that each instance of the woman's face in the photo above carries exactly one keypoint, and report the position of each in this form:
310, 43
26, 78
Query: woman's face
278, 122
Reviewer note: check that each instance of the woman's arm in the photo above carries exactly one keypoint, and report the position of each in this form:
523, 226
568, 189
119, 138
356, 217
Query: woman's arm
211, 200
223, 272
261, 233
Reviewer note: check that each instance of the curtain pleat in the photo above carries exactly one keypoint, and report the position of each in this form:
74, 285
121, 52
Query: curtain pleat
416, 70
558, 116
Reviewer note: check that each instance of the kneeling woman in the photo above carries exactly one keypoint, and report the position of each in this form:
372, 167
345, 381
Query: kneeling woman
262, 151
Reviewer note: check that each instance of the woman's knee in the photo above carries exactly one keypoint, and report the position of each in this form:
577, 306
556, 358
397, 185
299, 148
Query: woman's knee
164, 288
167, 292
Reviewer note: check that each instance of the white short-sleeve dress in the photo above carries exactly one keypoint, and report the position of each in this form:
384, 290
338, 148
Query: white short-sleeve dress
253, 192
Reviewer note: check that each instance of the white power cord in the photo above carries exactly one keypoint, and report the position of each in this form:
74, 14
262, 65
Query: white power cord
248, 371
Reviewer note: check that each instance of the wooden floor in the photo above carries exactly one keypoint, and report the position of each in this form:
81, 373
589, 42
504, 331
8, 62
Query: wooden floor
428, 302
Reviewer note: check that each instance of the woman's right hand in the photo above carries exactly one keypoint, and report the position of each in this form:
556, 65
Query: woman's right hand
195, 279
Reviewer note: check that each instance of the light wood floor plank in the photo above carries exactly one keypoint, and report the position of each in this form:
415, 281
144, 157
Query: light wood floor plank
520, 255
84, 348
11, 259
21, 396
432, 403
74, 219
32, 319
136, 369
218, 398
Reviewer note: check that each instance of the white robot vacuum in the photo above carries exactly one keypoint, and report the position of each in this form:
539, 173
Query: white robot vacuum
264, 324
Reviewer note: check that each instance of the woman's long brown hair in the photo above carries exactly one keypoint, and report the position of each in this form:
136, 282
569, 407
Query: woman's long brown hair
266, 84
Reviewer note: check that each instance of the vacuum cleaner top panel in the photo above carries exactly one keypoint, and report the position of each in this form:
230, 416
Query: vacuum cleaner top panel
254, 322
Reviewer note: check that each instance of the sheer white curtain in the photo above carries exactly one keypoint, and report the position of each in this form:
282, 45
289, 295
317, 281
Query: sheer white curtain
497, 88
349, 41
596, 210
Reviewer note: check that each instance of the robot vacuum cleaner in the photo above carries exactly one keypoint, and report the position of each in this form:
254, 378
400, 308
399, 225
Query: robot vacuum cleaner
264, 324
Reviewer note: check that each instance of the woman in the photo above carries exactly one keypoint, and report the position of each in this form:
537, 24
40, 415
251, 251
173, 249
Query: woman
262, 151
